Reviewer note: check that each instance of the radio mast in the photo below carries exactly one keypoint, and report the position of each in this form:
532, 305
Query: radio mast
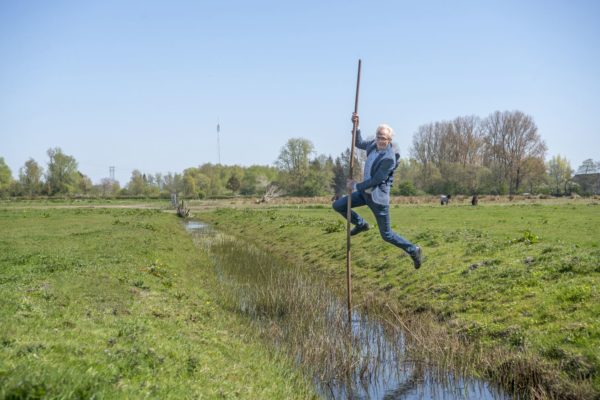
218, 141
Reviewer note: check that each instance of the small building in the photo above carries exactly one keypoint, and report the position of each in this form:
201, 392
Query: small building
589, 183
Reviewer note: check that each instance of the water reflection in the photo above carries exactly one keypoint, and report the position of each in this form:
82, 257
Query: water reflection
379, 366
389, 373
196, 226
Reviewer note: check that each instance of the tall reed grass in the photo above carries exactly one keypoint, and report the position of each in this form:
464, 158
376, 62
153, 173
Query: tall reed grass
302, 317
294, 309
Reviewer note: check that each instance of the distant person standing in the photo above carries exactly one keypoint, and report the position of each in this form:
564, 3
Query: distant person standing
374, 190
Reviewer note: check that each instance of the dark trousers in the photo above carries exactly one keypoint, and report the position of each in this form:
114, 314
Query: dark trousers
382, 215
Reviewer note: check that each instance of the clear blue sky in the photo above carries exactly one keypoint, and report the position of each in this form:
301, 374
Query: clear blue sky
142, 84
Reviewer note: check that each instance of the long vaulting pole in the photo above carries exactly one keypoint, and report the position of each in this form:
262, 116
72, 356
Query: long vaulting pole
349, 211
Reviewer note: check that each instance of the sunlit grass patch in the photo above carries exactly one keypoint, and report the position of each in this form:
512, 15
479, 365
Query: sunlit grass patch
118, 303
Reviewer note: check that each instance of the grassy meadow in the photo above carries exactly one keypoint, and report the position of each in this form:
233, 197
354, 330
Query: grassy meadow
520, 277
120, 303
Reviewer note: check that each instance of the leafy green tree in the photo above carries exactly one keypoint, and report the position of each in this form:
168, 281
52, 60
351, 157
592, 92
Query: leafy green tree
293, 164
454, 178
250, 180
189, 186
406, 188
338, 182
137, 183
195, 183
535, 176
294, 156
151, 185
62, 176
256, 178
30, 178
484, 181
6, 180
233, 183
405, 178
429, 179
319, 177
202, 185
216, 179
559, 171
341, 167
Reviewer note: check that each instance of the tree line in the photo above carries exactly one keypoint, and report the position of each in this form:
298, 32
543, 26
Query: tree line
500, 154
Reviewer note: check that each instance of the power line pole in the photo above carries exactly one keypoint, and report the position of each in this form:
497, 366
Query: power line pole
218, 141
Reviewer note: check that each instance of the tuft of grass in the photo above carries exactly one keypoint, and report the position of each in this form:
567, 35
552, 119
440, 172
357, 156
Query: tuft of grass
528, 237
334, 226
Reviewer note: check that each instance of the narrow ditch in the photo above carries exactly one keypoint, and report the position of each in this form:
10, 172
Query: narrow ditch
295, 310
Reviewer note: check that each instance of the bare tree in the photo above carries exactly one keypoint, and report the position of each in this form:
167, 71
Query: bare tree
469, 136
109, 187
449, 154
510, 139
425, 150
459, 141
588, 167
426, 144
272, 191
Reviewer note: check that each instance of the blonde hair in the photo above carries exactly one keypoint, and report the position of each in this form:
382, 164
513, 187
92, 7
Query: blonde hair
386, 130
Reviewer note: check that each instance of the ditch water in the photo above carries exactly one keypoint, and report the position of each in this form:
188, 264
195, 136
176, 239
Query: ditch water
303, 318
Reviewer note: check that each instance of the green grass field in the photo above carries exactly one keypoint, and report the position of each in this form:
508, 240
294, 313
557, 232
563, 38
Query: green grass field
523, 277
119, 303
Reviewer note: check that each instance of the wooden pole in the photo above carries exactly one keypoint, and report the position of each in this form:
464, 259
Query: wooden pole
349, 211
